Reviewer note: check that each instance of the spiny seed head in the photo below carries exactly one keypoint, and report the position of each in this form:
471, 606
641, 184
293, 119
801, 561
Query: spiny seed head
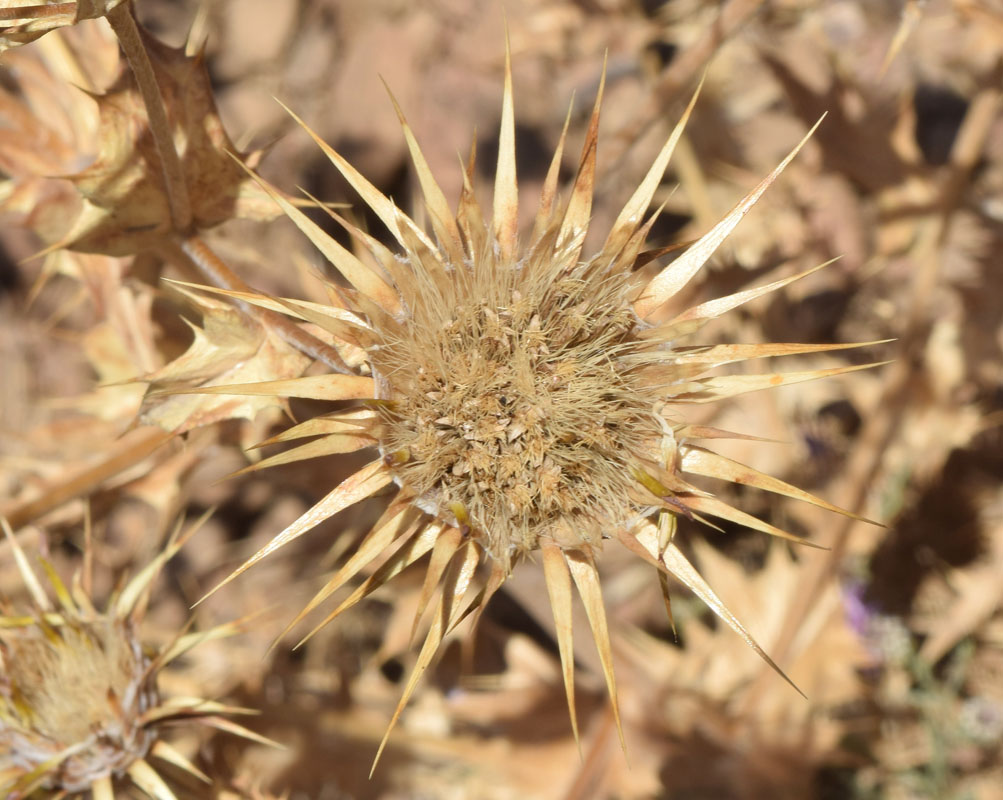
510, 409
73, 697
523, 396
79, 704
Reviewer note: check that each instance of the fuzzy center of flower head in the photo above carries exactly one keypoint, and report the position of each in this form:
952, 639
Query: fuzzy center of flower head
511, 410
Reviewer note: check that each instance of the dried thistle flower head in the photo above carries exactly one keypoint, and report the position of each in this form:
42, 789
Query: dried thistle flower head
74, 697
522, 397
506, 411
79, 704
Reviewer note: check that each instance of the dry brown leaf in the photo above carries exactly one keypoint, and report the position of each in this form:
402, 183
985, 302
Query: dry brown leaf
49, 126
126, 206
979, 595
857, 147
718, 667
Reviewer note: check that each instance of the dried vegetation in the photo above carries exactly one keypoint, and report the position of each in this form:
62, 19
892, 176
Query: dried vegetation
113, 209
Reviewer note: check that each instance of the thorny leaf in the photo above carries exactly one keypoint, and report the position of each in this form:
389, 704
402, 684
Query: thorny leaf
873, 163
49, 126
116, 359
229, 347
703, 685
26, 21
126, 208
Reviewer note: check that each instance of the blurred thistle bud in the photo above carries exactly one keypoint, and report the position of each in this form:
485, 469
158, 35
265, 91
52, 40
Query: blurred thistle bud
79, 705
72, 700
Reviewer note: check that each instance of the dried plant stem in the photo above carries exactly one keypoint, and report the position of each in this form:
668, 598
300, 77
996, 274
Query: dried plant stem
125, 28
128, 451
968, 148
37, 11
194, 253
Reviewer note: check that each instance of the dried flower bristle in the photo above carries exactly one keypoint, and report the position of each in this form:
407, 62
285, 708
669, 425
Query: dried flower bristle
79, 705
511, 409
522, 397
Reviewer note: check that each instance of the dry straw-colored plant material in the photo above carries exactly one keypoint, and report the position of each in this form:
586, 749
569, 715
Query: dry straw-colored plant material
498, 439
23, 21
126, 202
228, 346
162, 164
79, 702
523, 398
71, 99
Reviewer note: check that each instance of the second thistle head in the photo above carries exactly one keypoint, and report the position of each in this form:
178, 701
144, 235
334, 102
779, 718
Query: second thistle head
73, 700
79, 705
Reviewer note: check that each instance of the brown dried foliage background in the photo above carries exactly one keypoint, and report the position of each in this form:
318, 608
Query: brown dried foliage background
895, 636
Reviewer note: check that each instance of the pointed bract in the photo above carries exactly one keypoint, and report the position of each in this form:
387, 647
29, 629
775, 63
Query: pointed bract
670, 280
506, 197
558, 579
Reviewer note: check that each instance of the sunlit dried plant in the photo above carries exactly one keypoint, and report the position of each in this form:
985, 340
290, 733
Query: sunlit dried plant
522, 398
23, 21
79, 702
